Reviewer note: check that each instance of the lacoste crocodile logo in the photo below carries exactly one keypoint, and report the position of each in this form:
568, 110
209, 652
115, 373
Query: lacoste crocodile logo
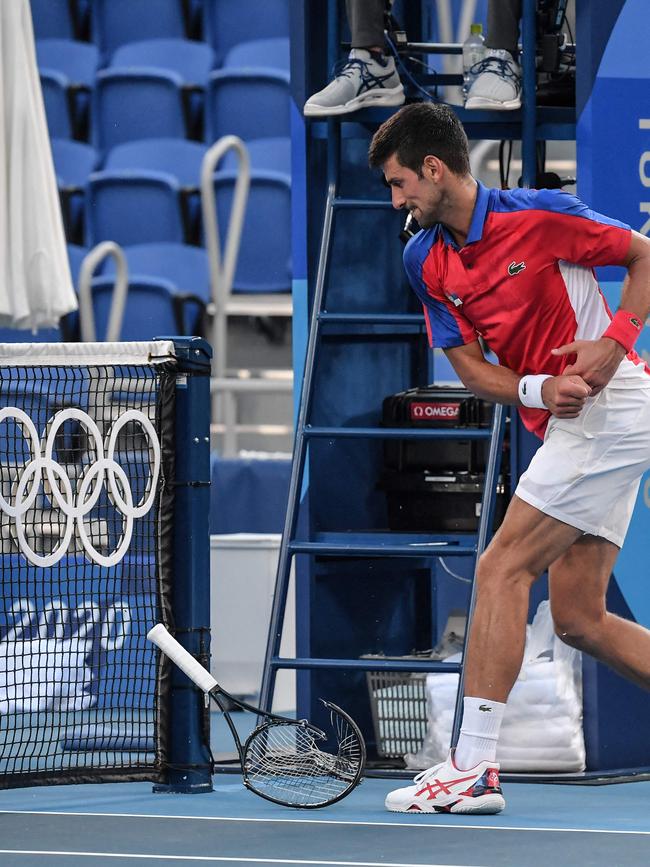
485, 708
515, 268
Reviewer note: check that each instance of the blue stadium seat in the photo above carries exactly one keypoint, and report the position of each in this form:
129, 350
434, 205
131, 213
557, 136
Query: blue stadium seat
52, 19
73, 162
269, 53
264, 153
192, 61
264, 263
248, 103
78, 61
133, 207
175, 156
136, 104
183, 265
55, 96
116, 22
229, 22
151, 308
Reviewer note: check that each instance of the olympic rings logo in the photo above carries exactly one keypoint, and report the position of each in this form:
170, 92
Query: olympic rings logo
76, 505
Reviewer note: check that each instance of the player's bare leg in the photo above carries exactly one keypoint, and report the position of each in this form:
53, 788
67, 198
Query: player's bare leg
578, 582
521, 550
468, 781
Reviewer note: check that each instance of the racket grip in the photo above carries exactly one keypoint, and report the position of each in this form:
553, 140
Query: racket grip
181, 657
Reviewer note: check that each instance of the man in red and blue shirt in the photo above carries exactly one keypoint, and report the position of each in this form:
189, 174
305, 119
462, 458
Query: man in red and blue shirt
516, 268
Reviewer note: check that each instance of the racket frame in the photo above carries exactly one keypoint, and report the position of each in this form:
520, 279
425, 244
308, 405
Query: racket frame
271, 719
173, 651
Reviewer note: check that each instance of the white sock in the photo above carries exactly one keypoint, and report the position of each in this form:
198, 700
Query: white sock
479, 732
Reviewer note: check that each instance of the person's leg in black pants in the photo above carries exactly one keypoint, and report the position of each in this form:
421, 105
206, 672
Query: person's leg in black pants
497, 85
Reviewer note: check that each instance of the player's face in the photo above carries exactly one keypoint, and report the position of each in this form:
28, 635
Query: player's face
418, 194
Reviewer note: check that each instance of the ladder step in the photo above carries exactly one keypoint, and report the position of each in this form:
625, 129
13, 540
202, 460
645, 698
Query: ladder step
366, 549
373, 318
409, 433
343, 202
424, 665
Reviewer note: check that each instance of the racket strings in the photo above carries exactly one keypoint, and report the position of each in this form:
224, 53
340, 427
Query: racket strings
285, 762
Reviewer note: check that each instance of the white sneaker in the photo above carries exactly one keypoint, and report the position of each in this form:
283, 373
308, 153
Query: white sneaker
362, 81
445, 789
497, 85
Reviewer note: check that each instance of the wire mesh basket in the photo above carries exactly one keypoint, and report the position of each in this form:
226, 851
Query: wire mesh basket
398, 699
398, 702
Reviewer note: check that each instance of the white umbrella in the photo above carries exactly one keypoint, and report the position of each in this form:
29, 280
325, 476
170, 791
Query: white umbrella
35, 283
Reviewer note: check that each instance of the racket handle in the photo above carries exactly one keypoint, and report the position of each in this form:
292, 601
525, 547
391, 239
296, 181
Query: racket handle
184, 660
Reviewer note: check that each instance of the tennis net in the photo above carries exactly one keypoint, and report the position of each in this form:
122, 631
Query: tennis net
86, 495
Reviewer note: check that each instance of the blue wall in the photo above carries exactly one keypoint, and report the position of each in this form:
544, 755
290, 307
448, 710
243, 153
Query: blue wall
613, 146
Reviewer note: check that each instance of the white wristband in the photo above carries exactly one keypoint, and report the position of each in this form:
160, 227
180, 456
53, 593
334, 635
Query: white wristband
530, 390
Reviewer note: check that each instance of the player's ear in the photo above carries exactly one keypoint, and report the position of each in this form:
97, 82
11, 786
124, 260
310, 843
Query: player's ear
431, 167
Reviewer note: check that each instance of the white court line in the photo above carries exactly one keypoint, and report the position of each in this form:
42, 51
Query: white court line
177, 858
435, 824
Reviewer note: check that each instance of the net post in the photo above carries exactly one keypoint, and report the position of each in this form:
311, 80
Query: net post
190, 763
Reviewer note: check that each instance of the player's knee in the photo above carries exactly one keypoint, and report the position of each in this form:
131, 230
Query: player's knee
572, 637
574, 628
499, 568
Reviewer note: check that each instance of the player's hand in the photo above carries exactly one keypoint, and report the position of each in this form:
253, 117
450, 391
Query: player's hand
564, 395
596, 360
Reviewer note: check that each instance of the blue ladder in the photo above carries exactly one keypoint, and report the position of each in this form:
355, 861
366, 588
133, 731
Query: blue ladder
371, 544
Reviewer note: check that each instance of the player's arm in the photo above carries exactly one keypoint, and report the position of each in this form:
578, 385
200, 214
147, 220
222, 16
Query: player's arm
564, 396
597, 360
636, 287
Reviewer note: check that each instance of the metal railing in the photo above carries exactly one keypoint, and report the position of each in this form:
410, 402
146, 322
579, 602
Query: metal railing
222, 264
118, 302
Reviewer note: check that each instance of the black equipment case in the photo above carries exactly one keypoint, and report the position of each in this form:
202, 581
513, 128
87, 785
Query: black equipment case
437, 485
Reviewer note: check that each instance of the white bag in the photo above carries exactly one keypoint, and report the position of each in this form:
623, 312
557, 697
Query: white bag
542, 724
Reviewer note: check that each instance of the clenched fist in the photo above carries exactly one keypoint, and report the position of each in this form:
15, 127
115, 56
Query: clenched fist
565, 395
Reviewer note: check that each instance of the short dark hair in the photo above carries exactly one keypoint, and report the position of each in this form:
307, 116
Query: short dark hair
418, 130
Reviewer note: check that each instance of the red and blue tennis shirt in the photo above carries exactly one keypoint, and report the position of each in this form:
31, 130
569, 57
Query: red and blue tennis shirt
524, 281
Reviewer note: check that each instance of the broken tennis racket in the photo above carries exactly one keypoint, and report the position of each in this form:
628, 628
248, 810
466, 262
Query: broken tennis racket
287, 761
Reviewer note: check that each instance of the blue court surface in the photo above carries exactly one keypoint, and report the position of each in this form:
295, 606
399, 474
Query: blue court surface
129, 826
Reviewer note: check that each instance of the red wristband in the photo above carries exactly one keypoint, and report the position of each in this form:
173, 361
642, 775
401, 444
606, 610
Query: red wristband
624, 328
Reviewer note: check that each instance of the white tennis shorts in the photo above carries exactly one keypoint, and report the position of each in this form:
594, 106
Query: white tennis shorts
587, 471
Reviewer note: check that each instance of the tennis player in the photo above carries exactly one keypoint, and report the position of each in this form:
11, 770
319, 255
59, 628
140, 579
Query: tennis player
516, 268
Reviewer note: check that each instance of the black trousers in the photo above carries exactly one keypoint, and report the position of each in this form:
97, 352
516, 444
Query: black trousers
503, 24
366, 20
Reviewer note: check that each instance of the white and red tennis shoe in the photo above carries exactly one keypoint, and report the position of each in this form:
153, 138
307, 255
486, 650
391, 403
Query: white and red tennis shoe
446, 789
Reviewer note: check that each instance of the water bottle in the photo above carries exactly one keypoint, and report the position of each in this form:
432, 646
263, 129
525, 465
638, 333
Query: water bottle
473, 53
